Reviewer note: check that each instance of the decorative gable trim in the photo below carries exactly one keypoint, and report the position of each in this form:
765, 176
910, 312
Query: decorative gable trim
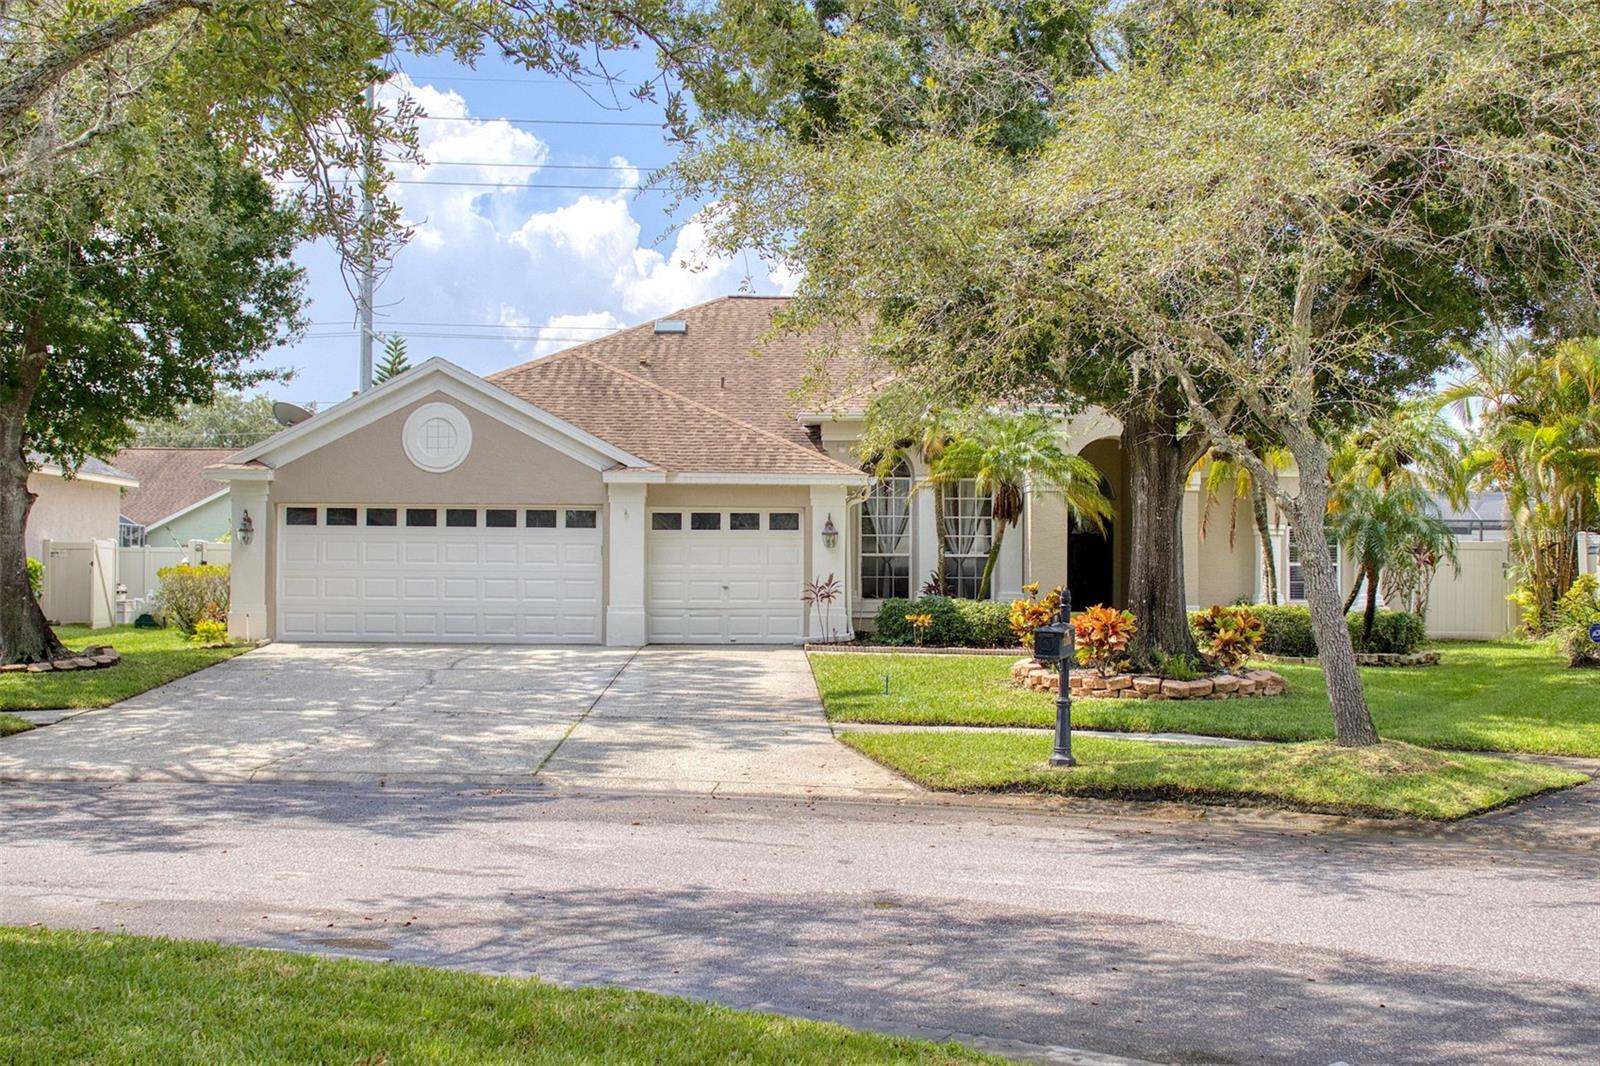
436, 376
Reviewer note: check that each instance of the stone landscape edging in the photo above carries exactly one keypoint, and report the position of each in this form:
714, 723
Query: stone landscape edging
91, 658
1032, 674
1366, 658
907, 649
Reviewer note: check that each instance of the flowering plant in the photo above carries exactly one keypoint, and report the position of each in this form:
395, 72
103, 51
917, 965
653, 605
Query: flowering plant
920, 623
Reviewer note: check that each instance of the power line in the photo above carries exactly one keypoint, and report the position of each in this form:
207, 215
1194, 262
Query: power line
529, 166
527, 185
470, 325
543, 121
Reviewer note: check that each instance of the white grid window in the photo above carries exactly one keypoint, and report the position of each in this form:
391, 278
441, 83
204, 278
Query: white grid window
1297, 581
968, 534
885, 532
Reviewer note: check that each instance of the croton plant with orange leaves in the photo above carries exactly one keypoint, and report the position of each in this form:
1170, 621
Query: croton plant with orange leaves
1103, 634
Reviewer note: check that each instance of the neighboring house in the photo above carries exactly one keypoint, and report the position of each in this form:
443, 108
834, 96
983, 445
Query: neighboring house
658, 485
175, 501
82, 507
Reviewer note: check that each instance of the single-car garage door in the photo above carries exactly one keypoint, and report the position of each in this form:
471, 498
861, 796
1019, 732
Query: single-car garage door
725, 577
449, 574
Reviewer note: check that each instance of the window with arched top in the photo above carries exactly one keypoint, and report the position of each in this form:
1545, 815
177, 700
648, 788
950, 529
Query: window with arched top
885, 536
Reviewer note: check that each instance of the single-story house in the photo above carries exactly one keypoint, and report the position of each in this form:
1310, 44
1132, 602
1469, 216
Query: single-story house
80, 507
175, 501
662, 484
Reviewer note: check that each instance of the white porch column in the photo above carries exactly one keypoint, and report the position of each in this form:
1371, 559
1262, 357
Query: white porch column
625, 571
248, 570
831, 501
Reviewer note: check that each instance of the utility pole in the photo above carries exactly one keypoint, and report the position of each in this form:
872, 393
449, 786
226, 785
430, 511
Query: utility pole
364, 301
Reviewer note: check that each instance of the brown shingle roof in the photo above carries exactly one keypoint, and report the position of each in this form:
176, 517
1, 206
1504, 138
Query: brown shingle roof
717, 398
170, 479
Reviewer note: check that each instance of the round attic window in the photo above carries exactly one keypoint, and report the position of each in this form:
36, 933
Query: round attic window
437, 437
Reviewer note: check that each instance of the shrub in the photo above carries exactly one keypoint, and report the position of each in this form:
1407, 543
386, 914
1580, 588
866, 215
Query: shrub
947, 627
1287, 631
35, 577
208, 632
988, 623
1399, 632
191, 594
1178, 667
1030, 613
1228, 635
1578, 606
1103, 634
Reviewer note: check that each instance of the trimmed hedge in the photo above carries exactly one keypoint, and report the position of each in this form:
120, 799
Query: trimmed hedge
1288, 631
956, 623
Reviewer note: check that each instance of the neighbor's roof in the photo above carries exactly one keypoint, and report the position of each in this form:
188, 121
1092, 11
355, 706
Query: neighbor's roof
170, 480
89, 469
719, 397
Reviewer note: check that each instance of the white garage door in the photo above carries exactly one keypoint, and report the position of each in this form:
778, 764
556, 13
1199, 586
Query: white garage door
720, 577
449, 574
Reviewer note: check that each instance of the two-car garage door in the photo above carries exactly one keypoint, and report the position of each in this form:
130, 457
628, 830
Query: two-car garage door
531, 575
446, 574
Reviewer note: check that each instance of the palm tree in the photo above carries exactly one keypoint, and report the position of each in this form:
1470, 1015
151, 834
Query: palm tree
1384, 526
1005, 455
1534, 412
1219, 470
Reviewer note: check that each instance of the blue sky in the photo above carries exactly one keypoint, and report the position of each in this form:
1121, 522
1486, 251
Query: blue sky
497, 275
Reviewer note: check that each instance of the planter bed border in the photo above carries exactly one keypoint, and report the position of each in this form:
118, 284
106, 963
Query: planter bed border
908, 649
93, 658
1252, 684
1364, 658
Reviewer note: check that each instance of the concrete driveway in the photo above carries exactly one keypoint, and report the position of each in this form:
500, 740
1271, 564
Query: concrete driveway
702, 720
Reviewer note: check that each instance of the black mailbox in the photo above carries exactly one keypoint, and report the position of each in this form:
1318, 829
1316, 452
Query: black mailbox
1052, 641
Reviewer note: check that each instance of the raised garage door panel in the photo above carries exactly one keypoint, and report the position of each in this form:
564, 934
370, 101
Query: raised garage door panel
720, 586
477, 584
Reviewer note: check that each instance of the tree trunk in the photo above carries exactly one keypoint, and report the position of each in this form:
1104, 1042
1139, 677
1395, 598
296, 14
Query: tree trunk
1352, 722
938, 540
1372, 608
1269, 565
1158, 461
25, 636
988, 564
1355, 590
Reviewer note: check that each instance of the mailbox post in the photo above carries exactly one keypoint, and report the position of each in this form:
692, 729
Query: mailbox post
1054, 641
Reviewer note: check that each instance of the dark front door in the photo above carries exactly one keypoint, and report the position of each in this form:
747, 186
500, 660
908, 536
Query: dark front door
1090, 566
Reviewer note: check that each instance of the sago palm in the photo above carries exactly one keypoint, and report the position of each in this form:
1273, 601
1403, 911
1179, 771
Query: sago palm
1006, 455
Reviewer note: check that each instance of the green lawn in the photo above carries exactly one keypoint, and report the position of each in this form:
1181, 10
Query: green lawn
1388, 781
1484, 697
150, 657
10, 723
87, 997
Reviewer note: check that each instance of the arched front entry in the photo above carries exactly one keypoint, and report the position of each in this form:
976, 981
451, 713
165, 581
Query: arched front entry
1097, 564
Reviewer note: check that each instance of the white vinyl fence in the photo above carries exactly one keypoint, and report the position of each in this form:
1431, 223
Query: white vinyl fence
80, 582
1474, 605
137, 569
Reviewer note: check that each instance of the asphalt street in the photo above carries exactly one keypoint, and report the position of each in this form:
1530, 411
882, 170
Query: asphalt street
1165, 939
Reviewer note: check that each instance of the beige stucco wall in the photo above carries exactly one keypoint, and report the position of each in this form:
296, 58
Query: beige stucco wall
1215, 572
504, 467
73, 510
732, 497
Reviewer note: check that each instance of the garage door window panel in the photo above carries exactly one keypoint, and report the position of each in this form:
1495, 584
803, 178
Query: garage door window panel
744, 520
340, 516
666, 521
461, 517
581, 519
705, 521
784, 521
421, 517
500, 518
300, 516
378, 517
540, 519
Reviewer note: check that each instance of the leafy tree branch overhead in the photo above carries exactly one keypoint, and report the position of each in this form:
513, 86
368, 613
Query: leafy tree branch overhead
1234, 227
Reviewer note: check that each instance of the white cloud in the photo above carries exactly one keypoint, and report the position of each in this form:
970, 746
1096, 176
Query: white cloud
496, 254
